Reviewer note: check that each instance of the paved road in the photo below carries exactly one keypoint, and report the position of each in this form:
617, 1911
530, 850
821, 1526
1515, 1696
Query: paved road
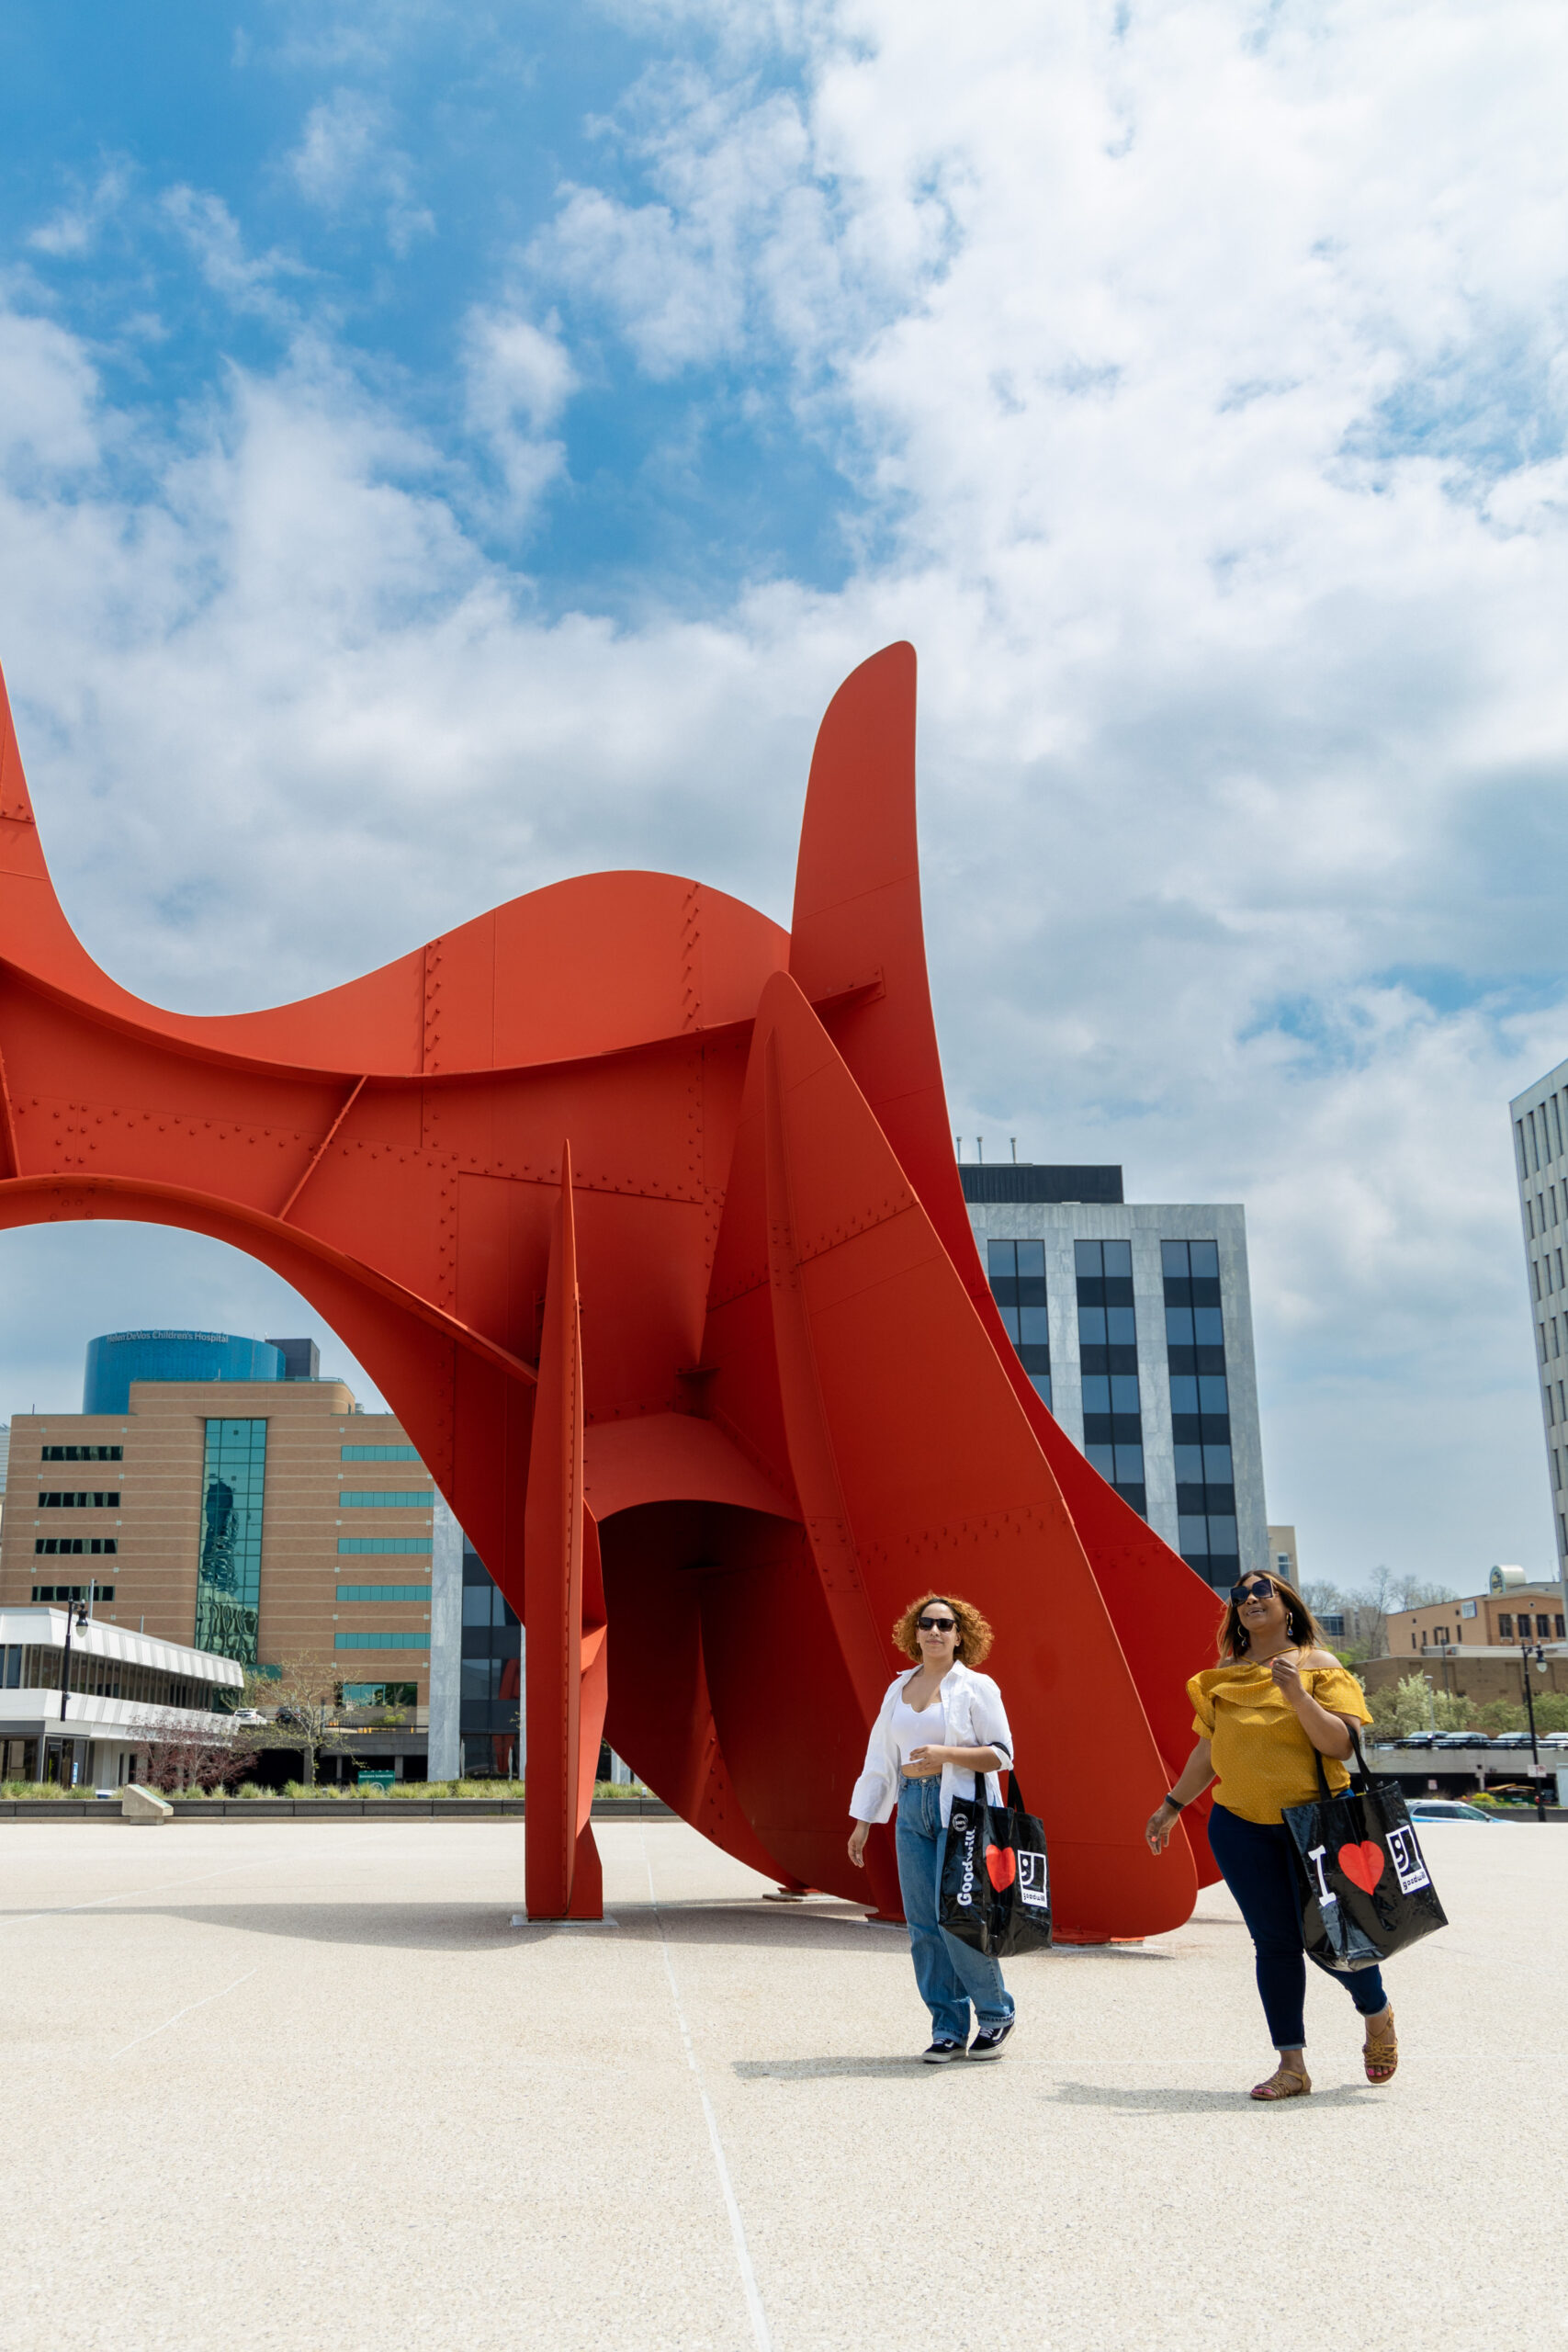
308, 2088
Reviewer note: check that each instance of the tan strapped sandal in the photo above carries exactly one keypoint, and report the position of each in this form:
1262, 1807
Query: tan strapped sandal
1285, 2082
1381, 2057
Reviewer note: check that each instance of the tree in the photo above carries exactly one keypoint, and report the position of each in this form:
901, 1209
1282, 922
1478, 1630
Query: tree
300, 1704
204, 1755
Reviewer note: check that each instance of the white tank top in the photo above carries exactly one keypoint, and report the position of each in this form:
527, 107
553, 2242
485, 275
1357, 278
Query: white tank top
924, 1728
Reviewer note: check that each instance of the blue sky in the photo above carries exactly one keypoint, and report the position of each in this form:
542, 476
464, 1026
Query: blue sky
443, 449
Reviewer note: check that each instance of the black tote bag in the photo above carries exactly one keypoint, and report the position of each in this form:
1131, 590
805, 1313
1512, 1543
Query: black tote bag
1365, 1890
995, 1885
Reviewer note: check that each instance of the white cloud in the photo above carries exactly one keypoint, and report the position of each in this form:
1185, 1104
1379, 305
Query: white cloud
215, 238
519, 381
345, 152
73, 230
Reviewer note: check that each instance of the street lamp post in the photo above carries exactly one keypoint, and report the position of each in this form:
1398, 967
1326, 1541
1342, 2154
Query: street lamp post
1529, 1709
76, 1615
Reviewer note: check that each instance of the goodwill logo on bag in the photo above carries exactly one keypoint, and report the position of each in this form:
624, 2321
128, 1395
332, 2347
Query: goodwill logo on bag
1408, 1866
966, 1885
1032, 1883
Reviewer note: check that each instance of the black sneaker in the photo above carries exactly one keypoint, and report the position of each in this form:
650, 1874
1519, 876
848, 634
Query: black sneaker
989, 2042
941, 2054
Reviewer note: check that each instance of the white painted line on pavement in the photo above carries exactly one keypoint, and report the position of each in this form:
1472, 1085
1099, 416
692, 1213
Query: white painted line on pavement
186, 2012
736, 2227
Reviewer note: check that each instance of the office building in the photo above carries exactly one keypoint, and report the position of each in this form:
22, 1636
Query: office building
1133, 1320
257, 1518
1540, 1163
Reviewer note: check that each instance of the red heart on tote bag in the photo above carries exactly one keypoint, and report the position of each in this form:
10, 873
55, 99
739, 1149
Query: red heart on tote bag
1001, 1866
1363, 1865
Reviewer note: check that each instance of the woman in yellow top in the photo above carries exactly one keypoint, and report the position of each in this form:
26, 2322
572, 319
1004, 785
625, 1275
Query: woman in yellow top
1276, 1696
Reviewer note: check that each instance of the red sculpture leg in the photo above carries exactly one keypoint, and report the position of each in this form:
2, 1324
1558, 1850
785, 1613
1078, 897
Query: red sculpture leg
857, 948
937, 1465
563, 1609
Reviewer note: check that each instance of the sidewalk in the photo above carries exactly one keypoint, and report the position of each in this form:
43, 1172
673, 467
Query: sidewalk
311, 2089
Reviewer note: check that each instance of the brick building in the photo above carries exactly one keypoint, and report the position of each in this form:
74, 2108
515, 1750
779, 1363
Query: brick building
255, 1518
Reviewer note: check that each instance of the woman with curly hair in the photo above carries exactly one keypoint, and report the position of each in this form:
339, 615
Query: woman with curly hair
944, 1720
1276, 1703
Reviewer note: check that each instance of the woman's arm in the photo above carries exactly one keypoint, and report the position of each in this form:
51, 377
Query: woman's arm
1195, 1776
926, 1762
1328, 1733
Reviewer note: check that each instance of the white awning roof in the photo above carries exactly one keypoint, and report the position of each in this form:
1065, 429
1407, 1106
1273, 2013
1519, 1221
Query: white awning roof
46, 1628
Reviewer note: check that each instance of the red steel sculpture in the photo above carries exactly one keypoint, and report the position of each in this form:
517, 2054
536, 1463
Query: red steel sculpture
643, 1215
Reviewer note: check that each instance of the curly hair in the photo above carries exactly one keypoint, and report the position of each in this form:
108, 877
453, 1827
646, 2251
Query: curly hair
975, 1635
1235, 1641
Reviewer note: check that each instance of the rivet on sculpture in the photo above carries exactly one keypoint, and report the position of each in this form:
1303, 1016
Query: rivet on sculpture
644, 1216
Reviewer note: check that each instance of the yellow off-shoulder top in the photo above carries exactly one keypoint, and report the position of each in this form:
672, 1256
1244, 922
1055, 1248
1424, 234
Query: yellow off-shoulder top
1263, 1759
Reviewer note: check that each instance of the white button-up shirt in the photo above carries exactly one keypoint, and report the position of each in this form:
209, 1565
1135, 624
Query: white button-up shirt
972, 1716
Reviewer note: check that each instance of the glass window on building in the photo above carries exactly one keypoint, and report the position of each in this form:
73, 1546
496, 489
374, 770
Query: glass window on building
1200, 1409
228, 1585
1108, 1354
1017, 1274
1505, 1625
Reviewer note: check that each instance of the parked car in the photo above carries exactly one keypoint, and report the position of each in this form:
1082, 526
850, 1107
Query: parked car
1512, 1739
1418, 1739
1462, 1739
1445, 1809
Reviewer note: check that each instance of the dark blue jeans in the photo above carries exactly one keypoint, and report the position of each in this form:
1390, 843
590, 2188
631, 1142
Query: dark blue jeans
1254, 1861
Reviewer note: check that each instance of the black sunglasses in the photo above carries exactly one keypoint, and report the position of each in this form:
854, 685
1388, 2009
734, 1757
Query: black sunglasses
936, 1624
1259, 1589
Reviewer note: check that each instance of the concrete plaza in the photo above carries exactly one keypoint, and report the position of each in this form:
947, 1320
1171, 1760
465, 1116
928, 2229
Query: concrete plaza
306, 2085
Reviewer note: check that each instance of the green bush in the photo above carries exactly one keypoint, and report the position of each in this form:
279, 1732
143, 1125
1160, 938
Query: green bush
38, 1789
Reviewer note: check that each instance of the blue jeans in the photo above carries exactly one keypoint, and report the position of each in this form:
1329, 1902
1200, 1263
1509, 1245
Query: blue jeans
1254, 1861
950, 1975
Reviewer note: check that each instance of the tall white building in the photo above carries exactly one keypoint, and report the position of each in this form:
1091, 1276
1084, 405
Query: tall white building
1541, 1161
1133, 1320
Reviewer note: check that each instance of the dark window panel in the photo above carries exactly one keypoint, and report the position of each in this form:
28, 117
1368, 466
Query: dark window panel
1096, 1429
1187, 1429
1126, 1429
1035, 1359
1086, 1259
1090, 1293
1030, 1293
1121, 1327
1101, 1458
1173, 1260
1138, 1497
1205, 1256
1208, 1327
1121, 1359
1221, 1497
1118, 1258
1192, 1496
1209, 1359
1178, 1327
1177, 1293
1118, 1292
1092, 1327
1094, 1360
1001, 1257
1206, 1294
1215, 1428
1034, 1326
1031, 1261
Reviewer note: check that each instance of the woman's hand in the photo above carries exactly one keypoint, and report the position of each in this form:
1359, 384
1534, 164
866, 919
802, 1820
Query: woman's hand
858, 1836
1287, 1676
1160, 1823
925, 1763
